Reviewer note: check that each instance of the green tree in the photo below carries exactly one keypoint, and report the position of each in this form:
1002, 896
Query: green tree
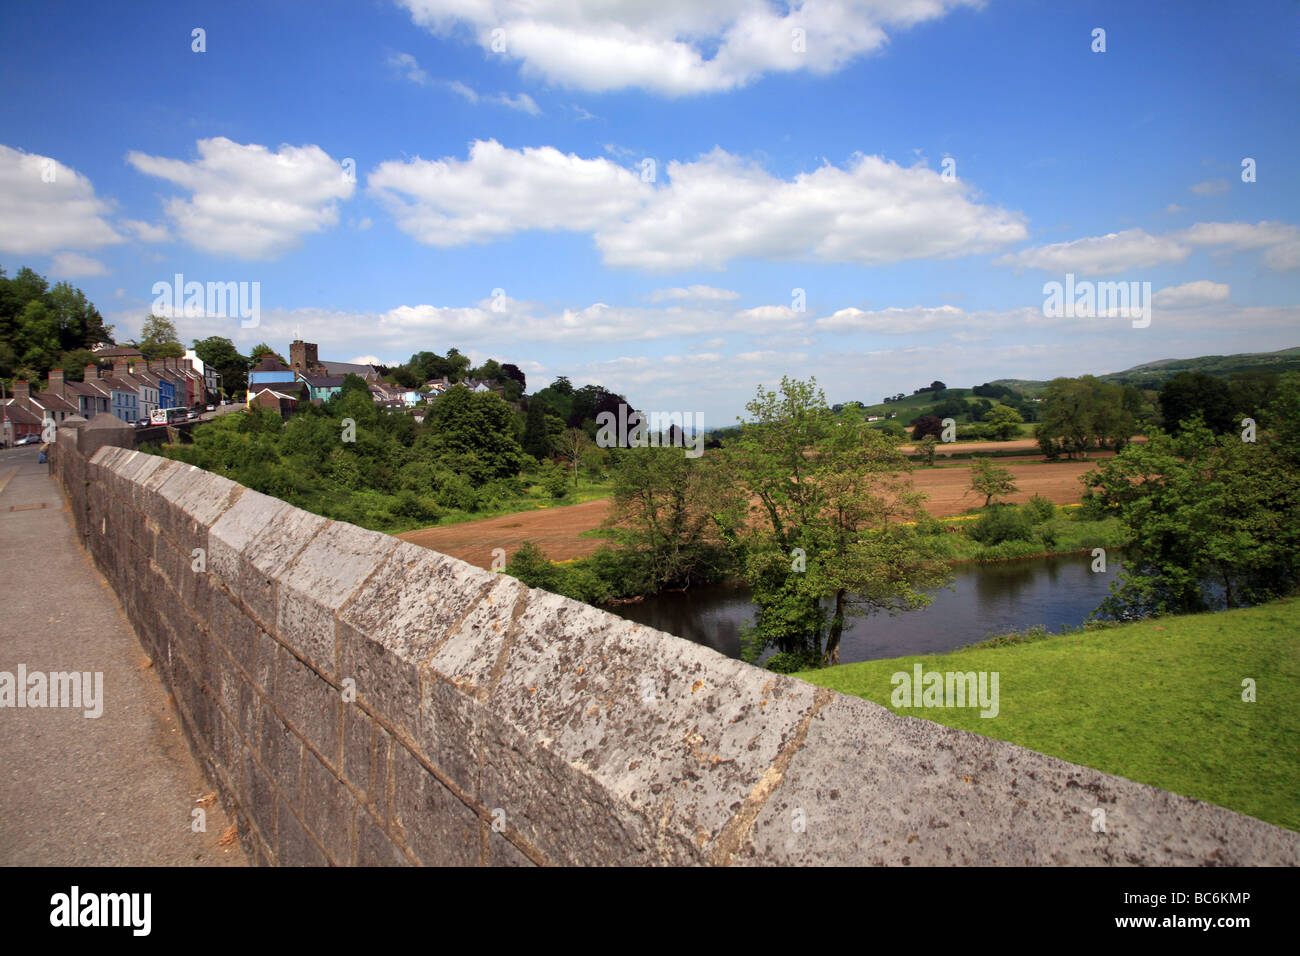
1214, 522
1188, 394
659, 511
990, 480
1083, 413
536, 439
158, 339
926, 446
222, 355
473, 434
814, 507
1005, 422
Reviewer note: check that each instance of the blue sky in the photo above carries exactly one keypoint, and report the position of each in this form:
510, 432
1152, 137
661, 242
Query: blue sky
647, 183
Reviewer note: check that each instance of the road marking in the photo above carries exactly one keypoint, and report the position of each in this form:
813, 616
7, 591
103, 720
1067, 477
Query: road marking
7, 475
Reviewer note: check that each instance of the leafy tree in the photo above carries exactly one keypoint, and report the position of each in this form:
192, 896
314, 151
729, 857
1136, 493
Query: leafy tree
1083, 413
926, 425
813, 507
514, 373
260, 349
1188, 394
990, 480
473, 434
1214, 522
926, 446
1005, 422
536, 439
222, 355
659, 511
159, 339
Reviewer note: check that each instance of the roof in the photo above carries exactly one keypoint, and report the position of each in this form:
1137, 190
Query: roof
268, 390
323, 381
346, 368
18, 414
117, 352
50, 400
269, 363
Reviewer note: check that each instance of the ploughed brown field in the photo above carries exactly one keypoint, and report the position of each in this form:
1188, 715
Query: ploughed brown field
556, 530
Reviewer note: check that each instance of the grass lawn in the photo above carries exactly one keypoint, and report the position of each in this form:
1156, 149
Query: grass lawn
586, 491
1156, 701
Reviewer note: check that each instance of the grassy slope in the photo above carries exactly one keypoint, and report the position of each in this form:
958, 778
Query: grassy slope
1155, 701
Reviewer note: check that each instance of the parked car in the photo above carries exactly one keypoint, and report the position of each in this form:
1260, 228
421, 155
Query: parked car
194, 413
212, 408
27, 440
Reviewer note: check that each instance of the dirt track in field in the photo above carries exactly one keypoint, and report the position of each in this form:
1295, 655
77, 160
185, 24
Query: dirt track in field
556, 530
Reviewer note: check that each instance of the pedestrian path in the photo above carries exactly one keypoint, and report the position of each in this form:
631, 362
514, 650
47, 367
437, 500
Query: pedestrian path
114, 790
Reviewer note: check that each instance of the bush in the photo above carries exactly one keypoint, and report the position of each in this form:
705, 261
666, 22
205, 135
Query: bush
1092, 508
787, 662
1039, 509
532, 567
1002, 523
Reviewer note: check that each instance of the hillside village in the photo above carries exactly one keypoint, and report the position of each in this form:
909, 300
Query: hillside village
133, 387
307, 378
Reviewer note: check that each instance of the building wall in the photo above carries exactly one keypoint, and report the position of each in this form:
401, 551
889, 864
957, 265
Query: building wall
361, 700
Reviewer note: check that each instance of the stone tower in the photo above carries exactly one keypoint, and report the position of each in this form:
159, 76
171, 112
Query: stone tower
303, 358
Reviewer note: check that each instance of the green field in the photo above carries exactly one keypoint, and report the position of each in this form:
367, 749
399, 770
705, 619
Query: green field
1157, 701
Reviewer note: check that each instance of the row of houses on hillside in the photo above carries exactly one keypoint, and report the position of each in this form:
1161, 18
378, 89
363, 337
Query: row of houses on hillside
307, 379
131, 390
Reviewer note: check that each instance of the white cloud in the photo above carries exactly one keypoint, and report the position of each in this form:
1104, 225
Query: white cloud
1283, 258
499, 191
409, 67
73, 265
713, 210
720, 208
1191, 293
46, 206
1174, 209
674, 47
247, 201
1100, 255
1212, 187
696, 293
1239, 235
1137, 249
146, 231
520, 101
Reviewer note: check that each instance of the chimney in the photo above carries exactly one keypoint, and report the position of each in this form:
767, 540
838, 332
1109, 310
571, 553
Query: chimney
121, 369
56, 381
91, 373
21, 390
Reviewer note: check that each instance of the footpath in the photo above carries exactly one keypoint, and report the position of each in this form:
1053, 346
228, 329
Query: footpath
118, 789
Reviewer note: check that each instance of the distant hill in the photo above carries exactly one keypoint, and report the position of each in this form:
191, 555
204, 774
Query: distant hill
1154, 374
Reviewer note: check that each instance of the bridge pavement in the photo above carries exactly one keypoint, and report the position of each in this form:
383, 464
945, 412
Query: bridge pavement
113, 790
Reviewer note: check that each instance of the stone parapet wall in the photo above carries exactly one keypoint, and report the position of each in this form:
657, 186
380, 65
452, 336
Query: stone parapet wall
360, 700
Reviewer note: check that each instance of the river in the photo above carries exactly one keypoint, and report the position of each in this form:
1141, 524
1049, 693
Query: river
985, 599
